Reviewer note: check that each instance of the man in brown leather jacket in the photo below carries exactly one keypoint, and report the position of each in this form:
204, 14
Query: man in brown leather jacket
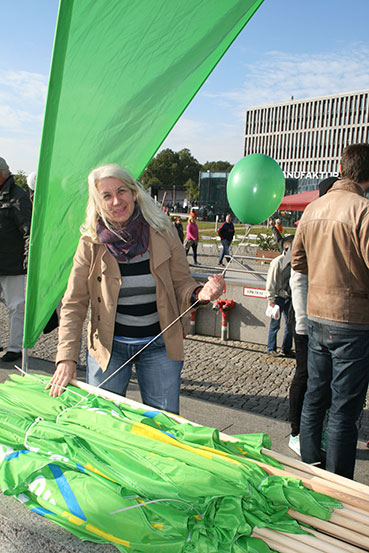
331, 246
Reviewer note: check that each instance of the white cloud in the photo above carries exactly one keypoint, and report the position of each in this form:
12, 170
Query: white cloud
21, 153
283, 75
22, 104
275, 78
23, 86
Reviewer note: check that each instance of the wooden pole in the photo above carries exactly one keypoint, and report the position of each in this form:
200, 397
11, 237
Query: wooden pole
349, 512
332, 529
336, 478
279, 547
334, 541
341, 520
315, 542
284, 540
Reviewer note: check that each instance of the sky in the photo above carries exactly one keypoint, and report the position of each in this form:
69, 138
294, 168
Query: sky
299, 48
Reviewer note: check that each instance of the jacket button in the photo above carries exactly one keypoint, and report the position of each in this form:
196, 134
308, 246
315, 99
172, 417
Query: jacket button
99, 299
98, 279
98, 317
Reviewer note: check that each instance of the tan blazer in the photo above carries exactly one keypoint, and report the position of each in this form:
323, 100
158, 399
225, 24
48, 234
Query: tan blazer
95, 280
331, 246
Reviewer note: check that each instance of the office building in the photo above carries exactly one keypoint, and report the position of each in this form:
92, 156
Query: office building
307, 137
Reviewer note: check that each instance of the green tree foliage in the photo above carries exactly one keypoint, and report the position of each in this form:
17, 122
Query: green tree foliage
169, 168
217, 166
21, 179
192, 190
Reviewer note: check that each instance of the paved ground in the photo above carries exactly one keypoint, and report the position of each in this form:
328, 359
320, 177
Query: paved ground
234, 374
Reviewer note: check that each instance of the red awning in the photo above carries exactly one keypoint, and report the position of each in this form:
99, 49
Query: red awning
298, 202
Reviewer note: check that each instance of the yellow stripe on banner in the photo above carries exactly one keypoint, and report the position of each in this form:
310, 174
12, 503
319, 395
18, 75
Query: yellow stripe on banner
243, 451
222, 454
97, 471
90, 528
73, 519
107, 536
157, 525
150, 432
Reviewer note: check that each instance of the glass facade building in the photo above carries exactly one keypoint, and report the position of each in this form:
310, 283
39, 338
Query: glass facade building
213, 191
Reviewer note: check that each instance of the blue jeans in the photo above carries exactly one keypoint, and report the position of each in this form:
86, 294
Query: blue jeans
275, 325
338, 376
159, 377
225, 251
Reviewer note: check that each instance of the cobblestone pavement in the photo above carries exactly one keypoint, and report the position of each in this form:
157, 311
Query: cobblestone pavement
234, 374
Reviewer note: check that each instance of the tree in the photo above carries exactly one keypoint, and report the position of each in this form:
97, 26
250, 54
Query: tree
20, 179
217, 166
189, 166
192, 190
162, 170
169, 168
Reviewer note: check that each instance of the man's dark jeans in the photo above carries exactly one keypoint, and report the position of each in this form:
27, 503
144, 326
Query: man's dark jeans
226, 244
338, 372
299, 382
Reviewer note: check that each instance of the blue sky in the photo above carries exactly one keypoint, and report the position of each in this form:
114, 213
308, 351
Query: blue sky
300, 48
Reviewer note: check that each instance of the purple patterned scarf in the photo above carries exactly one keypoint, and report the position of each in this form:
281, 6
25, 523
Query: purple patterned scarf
127, 242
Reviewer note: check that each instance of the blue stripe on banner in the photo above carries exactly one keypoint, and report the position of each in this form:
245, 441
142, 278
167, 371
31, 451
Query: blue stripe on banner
67, 492
41, 511
80, 467
16, 454
151, 414
168, 434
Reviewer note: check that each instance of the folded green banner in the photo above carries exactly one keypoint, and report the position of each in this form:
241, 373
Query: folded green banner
138, 479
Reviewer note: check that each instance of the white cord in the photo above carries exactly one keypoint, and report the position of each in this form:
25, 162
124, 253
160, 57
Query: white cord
156, 501
30, 448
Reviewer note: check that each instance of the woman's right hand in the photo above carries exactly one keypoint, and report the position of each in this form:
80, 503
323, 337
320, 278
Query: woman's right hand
65, 372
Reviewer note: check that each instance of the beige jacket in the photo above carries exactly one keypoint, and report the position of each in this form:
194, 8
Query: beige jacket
95, 280
331, 246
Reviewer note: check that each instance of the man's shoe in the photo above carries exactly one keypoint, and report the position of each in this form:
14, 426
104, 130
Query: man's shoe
220, 264
294, 444
289, 354
11, 356
273, 353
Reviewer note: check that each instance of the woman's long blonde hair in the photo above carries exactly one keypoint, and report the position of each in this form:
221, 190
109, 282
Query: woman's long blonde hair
155, 217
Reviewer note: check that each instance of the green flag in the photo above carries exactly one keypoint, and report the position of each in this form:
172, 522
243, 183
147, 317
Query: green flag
122, 74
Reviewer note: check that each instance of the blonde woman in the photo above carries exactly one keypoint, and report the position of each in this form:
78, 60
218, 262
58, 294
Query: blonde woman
131, 269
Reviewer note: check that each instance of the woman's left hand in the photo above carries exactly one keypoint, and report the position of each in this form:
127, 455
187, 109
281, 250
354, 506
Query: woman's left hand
213, 289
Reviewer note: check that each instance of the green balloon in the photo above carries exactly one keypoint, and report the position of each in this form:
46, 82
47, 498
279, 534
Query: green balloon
255, 188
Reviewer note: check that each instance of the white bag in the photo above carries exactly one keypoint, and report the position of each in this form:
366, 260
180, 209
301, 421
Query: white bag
273, 312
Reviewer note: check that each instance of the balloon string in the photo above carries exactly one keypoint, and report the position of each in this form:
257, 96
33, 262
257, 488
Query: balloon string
248, 228
172, 323
148, 344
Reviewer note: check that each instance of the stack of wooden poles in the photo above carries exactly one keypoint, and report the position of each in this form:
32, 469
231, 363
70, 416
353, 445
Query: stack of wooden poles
346, 531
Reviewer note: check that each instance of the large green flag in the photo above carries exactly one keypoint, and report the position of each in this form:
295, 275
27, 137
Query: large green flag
122, 74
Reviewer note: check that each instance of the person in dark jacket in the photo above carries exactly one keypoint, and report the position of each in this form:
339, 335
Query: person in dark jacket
179, 227
15, 223
226, 233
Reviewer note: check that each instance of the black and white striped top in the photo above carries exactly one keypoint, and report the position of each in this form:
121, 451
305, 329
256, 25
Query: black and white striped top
137, 315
